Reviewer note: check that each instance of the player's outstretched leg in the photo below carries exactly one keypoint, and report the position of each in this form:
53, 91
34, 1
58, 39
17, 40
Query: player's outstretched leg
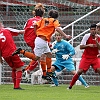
25, 53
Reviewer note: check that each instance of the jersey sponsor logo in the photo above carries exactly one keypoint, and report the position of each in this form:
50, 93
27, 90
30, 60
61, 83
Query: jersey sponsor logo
46, 22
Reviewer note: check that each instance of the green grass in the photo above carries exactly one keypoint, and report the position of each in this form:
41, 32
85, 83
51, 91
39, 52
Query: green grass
45, 92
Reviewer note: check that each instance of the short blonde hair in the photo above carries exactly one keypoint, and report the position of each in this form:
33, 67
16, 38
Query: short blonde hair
40, 8
57, 33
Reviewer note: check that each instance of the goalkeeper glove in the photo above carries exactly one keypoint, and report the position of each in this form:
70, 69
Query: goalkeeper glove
65, 57
54, 50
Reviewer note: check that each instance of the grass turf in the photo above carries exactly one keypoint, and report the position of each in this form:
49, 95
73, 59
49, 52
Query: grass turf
45, 92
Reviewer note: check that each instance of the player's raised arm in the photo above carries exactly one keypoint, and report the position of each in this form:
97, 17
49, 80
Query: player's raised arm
15, 30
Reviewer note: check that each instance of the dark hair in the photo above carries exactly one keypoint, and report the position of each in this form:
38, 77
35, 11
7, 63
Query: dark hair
39, 12
53, 13
93, 26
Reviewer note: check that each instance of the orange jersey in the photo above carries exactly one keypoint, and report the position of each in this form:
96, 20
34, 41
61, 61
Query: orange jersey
46, 27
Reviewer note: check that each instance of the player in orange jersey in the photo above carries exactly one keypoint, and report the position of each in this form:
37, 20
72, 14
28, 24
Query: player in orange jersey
29, 37
44, 30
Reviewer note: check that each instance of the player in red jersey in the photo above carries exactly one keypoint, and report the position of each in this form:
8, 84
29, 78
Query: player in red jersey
7, 47
45, 28
91, 45
29, 37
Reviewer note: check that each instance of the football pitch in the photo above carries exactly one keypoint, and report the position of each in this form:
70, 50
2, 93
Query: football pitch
45, 92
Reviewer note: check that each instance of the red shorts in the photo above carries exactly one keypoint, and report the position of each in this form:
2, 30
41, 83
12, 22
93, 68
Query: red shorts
32, 45
85, 64
14, 61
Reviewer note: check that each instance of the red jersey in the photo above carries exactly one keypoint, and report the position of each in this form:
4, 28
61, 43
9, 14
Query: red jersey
29, 35
7, 45
91, 52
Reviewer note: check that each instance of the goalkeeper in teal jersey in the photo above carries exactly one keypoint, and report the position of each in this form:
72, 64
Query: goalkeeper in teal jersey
64, 51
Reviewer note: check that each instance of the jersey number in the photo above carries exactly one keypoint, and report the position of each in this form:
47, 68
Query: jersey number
2, 37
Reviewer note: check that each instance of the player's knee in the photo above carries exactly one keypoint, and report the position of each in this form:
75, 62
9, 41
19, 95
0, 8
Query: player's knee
80, 71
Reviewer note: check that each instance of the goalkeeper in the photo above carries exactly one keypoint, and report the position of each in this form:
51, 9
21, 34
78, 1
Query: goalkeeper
64, 52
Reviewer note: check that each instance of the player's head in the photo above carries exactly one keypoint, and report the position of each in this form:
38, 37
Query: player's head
93, 26
39, 5
39, 10
53, 14
98, 29
93, 29
58, 36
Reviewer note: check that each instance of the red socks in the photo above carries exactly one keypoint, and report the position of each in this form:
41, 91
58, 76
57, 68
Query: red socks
74, 79
14, 77
18, 78
32, 65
